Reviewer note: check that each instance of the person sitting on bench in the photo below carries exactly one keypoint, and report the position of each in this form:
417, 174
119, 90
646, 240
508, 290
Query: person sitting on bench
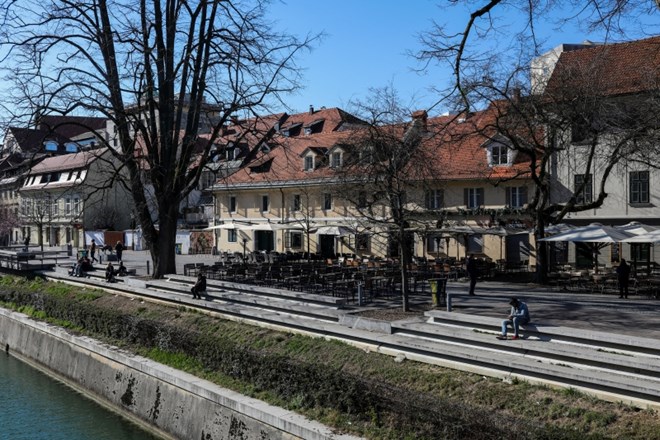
519, 315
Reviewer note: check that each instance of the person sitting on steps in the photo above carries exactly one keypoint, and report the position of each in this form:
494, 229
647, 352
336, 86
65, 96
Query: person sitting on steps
110, 273
519, 315
199, 287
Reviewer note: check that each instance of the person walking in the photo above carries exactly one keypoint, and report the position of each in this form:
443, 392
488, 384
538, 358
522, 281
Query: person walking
472, 271
519, 316
92, 251
623, 275
119, 249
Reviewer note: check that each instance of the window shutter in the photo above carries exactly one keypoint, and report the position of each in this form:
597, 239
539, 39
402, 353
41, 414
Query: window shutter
480, 197
507, 191
287, 239
465, 196
427, 200
523, 195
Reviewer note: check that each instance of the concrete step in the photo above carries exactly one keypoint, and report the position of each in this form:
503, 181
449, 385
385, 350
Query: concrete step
614, 341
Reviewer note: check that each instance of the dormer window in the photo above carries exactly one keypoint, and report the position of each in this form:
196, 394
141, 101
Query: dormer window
499, 155
309, 163
335, 160
265, 148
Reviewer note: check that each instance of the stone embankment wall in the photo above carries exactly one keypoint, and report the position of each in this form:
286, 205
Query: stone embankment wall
175, 404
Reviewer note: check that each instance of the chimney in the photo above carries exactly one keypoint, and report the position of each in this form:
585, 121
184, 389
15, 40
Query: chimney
311, 109
419, 118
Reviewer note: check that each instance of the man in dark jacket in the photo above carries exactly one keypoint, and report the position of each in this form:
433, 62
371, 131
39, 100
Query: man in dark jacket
623, 275
472, 271
199, 287
119, 249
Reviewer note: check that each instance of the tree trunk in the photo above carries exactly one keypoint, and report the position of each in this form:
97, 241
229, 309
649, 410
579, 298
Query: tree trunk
162, 250
404, 258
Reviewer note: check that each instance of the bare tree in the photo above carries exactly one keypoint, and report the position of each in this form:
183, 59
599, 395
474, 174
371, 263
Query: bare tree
37, 211
8, 222
575, 126
498, 32
389, 166
162, 73
576, 130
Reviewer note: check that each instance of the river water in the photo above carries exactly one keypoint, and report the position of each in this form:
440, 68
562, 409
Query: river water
34, 406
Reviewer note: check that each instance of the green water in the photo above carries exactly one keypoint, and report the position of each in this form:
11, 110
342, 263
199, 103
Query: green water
34, 406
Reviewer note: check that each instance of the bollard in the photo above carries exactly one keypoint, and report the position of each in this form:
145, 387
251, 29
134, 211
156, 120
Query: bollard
448, 302
148, 267
359, 294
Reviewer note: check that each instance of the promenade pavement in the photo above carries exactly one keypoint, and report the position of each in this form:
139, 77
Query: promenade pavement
636, 316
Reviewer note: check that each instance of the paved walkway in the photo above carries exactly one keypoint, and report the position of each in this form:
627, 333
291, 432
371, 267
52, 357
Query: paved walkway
607, 313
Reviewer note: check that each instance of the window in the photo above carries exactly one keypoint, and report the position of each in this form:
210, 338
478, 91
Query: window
362, 242
264, 204
499, 155
434, 199
67, 206
585, 195
293, 239
76, 206
516, 196
309, 163
335, 160
640, 251
639, 187
581, 131
297, 204
475, 244
327, 201
434, 244
232, 235
232, 203
362, 199
473, 197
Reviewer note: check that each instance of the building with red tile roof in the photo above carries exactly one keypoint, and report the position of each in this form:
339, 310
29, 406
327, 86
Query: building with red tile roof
294, 181
607, 94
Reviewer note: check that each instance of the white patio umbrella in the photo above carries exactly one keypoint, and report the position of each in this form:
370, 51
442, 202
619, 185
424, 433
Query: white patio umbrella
649, 237
593, 233
268, 226
228, 225
637, 228
558, 228
336, 230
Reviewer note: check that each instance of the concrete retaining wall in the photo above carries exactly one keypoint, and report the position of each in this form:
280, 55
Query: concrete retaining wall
177, 404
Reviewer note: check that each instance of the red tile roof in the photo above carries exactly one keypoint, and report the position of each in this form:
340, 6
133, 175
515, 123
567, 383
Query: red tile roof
611, 69
454, 147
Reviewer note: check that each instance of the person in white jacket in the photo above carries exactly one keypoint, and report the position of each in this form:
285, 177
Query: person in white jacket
519, 315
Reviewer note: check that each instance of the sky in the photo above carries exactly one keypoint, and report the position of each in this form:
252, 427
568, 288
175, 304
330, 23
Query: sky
367, 45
